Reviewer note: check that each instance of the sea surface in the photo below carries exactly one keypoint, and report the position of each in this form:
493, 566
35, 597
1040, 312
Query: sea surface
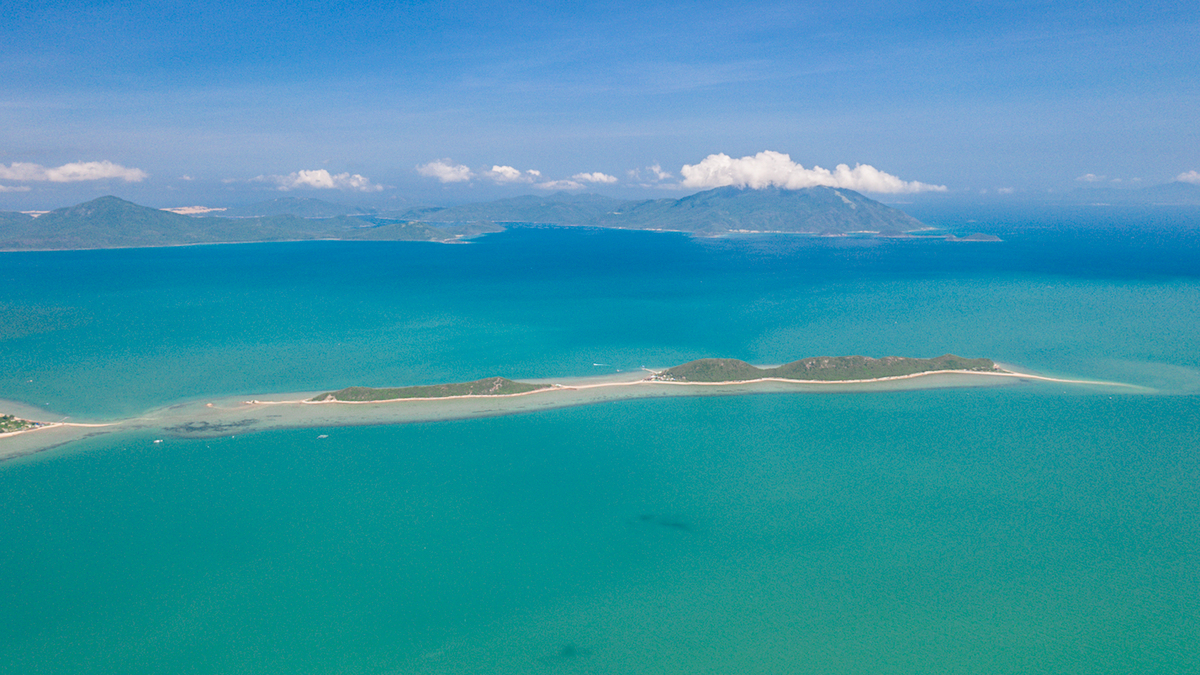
1038, 527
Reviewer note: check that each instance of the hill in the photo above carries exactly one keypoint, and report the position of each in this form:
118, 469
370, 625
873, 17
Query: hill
727, 209
561, 208
819, 368
812, 210
110, 222
492, 386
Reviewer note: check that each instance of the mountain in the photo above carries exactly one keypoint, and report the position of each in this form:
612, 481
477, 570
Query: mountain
561, 208
14, 218
304, 207
812, 210
725, 209
109, 222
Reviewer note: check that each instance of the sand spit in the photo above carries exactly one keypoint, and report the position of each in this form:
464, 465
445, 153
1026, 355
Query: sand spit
235, 416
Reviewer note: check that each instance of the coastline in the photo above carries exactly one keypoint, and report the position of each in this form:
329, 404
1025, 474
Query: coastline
231, 416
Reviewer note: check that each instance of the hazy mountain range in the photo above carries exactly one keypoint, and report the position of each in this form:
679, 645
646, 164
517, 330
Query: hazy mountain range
110, 222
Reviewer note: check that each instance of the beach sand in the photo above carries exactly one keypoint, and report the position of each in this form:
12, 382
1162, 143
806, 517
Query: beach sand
232, 416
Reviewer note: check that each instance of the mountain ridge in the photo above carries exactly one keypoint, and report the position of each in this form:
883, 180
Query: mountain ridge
111, 222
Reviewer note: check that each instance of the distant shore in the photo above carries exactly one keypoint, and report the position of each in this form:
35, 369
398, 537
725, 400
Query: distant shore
233, 416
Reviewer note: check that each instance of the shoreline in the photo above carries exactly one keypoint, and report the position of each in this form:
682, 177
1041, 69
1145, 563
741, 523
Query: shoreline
726, 383
232, 416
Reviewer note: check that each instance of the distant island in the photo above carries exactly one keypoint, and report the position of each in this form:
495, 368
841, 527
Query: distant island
821, 369
110, 222
502, 396
706, 371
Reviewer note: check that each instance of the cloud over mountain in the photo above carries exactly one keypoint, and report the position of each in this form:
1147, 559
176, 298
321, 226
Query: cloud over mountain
1189, 177
559, 185
777, 169
594, 177
71, 173
322, 180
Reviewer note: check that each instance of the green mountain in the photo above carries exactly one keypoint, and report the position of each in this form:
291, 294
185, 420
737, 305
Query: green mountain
109, 222
813, 210
820, 368
562, 208
14, 218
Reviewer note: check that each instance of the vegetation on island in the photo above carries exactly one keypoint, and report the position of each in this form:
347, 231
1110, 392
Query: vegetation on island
814, 210
109, 222
491, 386
10, 424
819, 368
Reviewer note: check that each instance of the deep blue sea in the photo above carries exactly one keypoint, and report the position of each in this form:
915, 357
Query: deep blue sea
1030, 528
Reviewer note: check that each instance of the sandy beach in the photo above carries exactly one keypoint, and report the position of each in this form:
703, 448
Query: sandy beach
232, 416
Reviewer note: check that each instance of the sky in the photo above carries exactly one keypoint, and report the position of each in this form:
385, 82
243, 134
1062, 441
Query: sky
181, 103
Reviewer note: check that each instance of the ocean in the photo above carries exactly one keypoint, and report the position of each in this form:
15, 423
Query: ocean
1030, 527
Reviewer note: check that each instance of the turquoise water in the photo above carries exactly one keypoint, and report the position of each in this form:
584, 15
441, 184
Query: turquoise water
1029, 528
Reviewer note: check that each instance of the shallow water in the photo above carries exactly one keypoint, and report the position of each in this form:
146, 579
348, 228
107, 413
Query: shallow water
1035, 527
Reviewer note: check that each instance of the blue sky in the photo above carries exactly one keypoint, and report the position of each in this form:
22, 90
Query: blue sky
174, 103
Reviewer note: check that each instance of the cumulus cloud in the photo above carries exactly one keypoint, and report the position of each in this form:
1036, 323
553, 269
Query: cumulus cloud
594, 177
1090, 178
560, 185
14, 188
504, 174
321, 179
447, 171
71, 173
1189, 177
508, 174
777, 169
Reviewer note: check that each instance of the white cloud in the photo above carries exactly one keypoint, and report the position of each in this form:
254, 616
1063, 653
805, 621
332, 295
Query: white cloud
71, 173
1189, 177
559, 185
321, 179
1090, 178
14, 188
504, 174
777, 169
1005, 191
186, 177
507, 174
659, 173
594, 177
446, 171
